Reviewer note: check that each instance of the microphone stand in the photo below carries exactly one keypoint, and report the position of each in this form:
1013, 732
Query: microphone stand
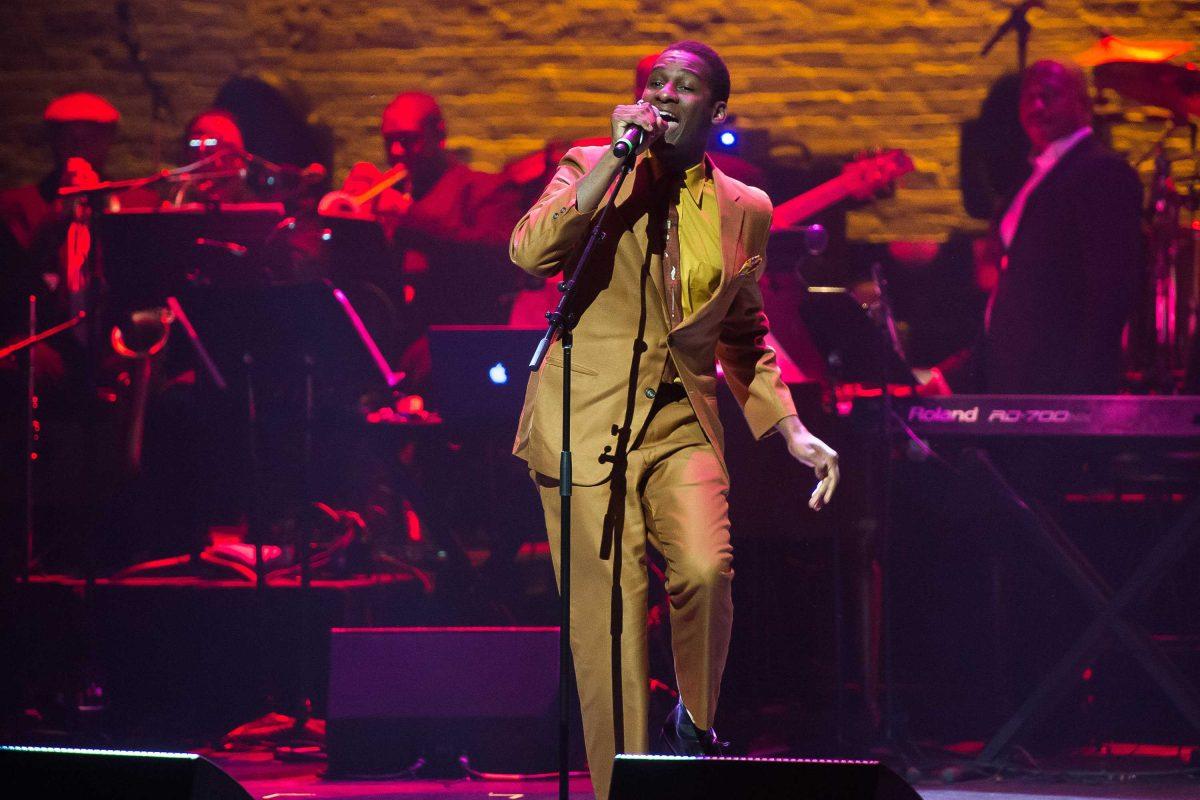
1017, 20
188, 172
894, 728
561, 320
25, 347
88, 207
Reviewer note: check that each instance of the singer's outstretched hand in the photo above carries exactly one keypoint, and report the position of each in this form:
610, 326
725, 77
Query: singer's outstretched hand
812, 452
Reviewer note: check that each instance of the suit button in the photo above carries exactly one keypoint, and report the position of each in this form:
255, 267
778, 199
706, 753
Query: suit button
650, 393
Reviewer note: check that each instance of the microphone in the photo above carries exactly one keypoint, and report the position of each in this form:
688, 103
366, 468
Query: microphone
816, 239
631, 140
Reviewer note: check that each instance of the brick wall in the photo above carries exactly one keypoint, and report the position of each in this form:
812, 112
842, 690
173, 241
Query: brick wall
834, 75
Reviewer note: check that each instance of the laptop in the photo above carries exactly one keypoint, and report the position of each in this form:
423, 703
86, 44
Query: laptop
479, 373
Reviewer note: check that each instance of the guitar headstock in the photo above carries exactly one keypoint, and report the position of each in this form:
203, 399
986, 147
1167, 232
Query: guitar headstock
871, 173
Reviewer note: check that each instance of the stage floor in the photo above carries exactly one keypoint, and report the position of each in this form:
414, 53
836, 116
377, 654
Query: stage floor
267, 779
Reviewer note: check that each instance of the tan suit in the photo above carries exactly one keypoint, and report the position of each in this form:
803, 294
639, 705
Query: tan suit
647, 457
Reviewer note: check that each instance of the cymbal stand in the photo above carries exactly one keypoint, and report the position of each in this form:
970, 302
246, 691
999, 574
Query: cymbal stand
1191, 348
893, 733
1173, 281
1017, 21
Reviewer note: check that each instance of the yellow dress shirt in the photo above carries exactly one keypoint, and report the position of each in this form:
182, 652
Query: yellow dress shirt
699, 237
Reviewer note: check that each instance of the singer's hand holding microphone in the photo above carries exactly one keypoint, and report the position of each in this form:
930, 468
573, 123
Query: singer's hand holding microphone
635, 127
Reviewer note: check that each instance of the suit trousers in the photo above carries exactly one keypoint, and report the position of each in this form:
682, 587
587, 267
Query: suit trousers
672, 492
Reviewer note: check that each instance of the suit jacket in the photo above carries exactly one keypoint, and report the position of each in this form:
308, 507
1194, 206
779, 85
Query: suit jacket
1073, 271
622, 340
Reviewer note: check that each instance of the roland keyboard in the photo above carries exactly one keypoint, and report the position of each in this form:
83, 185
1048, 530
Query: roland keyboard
1096, 416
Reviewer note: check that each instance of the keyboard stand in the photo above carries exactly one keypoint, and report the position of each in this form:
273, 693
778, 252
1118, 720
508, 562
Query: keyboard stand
1108, 607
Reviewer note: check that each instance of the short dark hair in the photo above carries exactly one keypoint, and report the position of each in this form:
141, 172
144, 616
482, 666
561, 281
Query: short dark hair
719, 73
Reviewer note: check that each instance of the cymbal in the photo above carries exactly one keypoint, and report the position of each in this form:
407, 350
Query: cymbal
1159, 84
1110, 48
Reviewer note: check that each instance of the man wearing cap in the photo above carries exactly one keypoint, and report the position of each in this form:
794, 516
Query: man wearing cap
41, 251
37, 254
80, 129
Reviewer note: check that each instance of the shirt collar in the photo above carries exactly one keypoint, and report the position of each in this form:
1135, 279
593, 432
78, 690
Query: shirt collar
1059, 147
694, 177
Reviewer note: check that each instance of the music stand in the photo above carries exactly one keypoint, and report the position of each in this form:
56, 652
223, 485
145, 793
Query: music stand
290, 330
274, 336
150, 255
355, 255
855, 348
306, 337
860, 350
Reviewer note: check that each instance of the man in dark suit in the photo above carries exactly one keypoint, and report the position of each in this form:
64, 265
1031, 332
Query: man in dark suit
1072, 255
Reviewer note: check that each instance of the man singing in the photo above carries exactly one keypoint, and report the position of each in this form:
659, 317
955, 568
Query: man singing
672, 290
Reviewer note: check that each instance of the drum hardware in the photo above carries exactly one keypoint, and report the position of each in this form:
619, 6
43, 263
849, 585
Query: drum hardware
1141, 71
1018, 21
1154, 83
340, 203
1109, 48
1161, 340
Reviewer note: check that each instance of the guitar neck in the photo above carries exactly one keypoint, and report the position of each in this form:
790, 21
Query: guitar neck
813, 201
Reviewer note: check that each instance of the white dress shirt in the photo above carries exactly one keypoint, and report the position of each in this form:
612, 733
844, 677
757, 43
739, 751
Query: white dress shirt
1042, 164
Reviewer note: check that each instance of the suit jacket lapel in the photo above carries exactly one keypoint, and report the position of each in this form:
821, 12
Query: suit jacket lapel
1047, 185
732, 216
633, 206
635, 216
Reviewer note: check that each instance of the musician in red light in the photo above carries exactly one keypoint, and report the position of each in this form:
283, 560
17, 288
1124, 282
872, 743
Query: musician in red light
449, 223
215, 137
43, 246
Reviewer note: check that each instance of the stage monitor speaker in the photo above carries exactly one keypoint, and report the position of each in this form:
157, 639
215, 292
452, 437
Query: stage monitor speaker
399, 696
49, 772
681, 778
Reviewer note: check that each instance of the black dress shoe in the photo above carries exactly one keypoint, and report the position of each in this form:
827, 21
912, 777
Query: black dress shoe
681, 737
